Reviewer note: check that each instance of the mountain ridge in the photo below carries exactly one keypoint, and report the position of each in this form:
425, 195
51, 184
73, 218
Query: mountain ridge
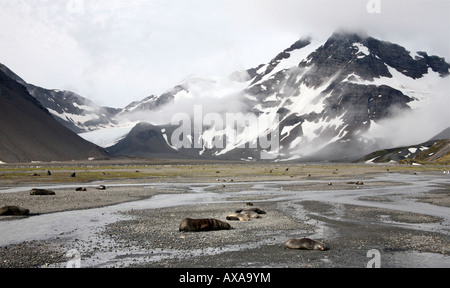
28, 132
434, 151
329, 95
77, 113
325, 98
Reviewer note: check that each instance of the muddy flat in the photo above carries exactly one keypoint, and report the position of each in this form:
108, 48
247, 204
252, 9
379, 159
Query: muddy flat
366, 215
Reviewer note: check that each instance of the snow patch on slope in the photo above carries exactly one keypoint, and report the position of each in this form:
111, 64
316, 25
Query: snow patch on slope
108, 137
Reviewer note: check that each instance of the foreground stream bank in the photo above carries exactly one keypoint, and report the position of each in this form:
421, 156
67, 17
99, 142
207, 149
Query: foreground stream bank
402, 215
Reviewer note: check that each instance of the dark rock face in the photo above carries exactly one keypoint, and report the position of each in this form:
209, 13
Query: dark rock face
283, 55
65, 104
28, 132
336, 71
144, 140
362, 103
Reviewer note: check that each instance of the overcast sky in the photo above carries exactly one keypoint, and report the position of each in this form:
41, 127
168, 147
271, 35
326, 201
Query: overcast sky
118, 51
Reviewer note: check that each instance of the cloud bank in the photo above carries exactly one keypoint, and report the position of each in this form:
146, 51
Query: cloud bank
118, 51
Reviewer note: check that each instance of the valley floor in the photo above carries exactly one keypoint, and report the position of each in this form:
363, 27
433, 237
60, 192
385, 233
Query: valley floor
399, 212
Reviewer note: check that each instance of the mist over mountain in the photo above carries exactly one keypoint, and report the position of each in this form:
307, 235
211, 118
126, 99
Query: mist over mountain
333, 100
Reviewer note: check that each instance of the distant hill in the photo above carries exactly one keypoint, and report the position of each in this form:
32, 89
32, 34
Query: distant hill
434, 151
443, 135
28, 132
144, 140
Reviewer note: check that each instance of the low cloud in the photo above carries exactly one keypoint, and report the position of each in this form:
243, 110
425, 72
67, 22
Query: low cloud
115, 52
218, 95
411, 127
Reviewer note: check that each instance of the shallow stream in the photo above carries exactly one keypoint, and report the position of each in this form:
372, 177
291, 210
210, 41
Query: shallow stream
82, 224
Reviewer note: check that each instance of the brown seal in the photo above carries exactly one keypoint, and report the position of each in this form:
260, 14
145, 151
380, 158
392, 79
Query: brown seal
359, 183
197, 225
305, 243
238, 217
41, 192
250, 214
14, 211
257, 210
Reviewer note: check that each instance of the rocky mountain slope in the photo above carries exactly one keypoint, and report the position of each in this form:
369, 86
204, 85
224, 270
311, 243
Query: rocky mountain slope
321, 99
28, 132
70, 109
434, 151
314, 101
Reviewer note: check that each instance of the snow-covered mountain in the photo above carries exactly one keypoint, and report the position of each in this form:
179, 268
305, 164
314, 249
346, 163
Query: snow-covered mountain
313, 101
28, 132
70, 109
316, 100
74, 111
214, 95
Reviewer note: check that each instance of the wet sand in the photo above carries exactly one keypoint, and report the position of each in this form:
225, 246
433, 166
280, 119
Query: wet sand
406, 222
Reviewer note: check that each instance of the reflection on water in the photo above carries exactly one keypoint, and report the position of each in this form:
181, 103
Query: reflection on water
81, 224
413, 259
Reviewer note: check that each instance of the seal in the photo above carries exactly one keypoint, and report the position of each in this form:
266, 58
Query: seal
14, 211
305, 243
359, 183
251, 214
238, 217
257, 210
41, 192
198, 225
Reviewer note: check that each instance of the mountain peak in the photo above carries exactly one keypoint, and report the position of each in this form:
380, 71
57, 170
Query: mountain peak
30, 133
299, 44
355, 36
329, 97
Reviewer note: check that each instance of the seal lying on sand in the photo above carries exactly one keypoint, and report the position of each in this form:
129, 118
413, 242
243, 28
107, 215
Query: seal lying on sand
197, 225
41, 192
305, 243
238, 217
14, 211
257, 210
251, 214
